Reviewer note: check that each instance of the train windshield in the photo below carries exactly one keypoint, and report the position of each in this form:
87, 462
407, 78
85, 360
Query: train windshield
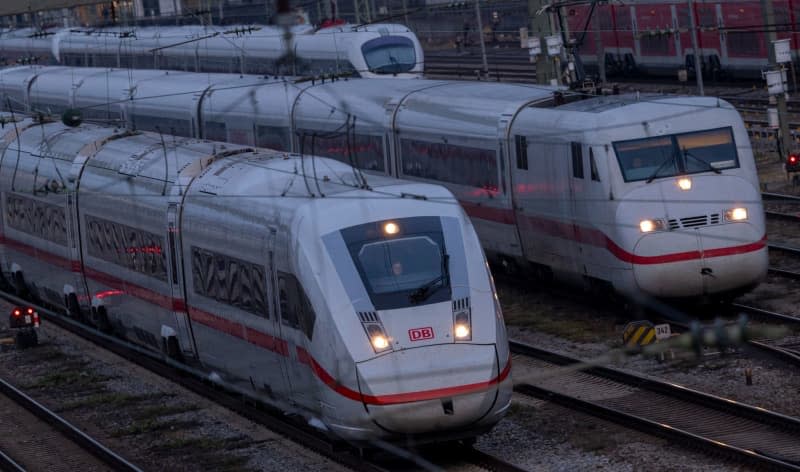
687, 153
389, 55
401, 262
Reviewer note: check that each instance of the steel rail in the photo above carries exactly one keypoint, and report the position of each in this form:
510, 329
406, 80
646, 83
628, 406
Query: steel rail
86, 442
8, 464
767, 314
248, 406
223, 394
750, 456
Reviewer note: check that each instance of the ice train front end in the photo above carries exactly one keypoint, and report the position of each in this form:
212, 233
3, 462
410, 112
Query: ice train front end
656, 196
414, 345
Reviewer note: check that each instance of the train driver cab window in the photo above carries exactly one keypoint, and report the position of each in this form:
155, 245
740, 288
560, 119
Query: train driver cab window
521, 143
577, 160
389, 55
401, 263
687, 153
593, 166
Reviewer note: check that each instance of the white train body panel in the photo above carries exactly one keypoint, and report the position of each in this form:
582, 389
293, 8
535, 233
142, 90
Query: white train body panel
255, 269
507, 153
363, 51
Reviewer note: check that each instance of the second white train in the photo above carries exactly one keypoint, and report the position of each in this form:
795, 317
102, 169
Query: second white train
651, 195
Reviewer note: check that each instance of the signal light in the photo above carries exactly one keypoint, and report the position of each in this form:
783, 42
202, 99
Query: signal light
16, 313
793, 163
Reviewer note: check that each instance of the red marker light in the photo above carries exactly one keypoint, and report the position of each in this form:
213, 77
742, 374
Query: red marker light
792, 159
30, 310
17, 313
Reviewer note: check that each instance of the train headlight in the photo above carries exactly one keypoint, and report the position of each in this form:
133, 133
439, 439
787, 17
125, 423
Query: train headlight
648, 226
462, 326
391, 228
685, 183
380, 342
378, 338
736, 214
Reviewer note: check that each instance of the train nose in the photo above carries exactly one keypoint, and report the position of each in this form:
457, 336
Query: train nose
702, 261
431, 388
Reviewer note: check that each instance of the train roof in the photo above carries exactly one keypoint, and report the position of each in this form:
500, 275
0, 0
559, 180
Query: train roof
610, 103
429, 106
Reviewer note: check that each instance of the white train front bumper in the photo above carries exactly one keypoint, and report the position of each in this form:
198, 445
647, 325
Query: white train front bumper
701, 261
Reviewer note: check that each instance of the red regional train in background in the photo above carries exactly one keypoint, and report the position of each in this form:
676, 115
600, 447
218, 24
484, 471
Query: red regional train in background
654, 37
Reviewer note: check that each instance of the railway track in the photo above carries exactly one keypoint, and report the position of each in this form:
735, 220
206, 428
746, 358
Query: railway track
32, 437
295, 429
745, 434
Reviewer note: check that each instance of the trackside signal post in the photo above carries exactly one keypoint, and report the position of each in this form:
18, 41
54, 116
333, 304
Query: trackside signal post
777, 76
542, 26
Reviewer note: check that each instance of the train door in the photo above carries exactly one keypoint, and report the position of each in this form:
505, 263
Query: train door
579, 229
280, 342
185, 337
80, 299
296, 330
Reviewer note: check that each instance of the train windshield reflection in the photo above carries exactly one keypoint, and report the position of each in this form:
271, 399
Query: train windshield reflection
677, 154
394, 268
389, 55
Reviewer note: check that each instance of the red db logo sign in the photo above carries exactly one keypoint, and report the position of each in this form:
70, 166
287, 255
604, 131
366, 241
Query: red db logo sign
418, 334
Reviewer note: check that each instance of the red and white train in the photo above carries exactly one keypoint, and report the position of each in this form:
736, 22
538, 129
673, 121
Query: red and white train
375, 50
655, 36
654, 195
370, 311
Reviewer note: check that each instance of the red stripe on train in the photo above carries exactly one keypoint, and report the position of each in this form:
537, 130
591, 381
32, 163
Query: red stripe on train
253, 336
597, 238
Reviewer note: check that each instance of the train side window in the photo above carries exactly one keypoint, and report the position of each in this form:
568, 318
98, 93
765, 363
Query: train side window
215, 131
522, 152
132, 248
36, 218
593, 166
272, 137
577, 160
448, 162
229, 280
360, 150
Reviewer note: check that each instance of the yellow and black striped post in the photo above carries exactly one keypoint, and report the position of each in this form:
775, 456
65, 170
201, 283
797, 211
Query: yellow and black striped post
638, 334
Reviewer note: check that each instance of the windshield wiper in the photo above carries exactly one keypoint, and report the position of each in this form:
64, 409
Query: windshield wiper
424, 291
713, 169
660, 168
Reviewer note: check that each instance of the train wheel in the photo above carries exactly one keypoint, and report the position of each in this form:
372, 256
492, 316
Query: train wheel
101, 320
172, 349
4, 283
73, 307
20, 287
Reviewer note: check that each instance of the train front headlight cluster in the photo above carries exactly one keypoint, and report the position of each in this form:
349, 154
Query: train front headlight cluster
378, 338
650, 225
462, 325
736, 214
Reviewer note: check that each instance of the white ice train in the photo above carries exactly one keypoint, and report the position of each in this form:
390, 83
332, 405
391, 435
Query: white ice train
651, 195
377, 50
371, 312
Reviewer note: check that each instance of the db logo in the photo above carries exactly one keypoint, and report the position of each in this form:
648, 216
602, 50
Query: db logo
418, 334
